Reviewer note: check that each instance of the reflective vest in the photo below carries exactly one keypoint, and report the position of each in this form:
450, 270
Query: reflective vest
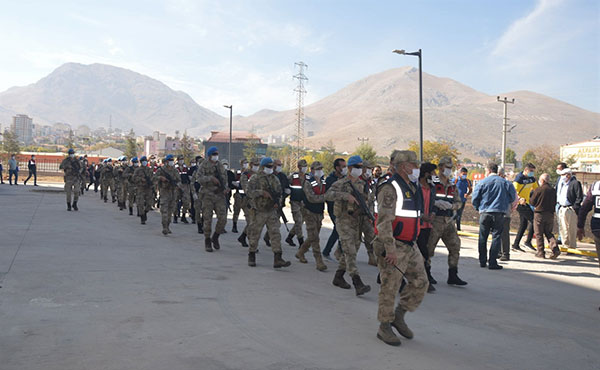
318, 190
596, 199
296, 187
407, 223
444, 193
183, 173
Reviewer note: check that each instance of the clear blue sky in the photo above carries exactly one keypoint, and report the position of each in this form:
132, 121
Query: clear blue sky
243, 52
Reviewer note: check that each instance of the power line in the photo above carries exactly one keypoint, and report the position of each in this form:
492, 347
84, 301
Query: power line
363, 139
300, 92
505, 129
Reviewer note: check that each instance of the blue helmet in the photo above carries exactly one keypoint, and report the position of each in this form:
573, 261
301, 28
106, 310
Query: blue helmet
169, 157
134, 159
212, 150
71, 151
266, 161
123, 158
109, 160
354, 160
104, 160
143, 159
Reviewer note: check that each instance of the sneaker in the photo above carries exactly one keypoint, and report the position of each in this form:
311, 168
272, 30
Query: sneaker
495, 267
528, 245
517, 248
505, 258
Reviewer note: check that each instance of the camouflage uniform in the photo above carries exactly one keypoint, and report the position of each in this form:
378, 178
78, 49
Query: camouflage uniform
245, 203
366, 227
129, 186
296, 203
84, 174
72, 169
118, 171
213, 198
108, 181
167, 193
144, 193
312, 214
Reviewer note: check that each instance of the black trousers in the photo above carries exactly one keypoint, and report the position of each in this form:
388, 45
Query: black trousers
34, 174
506, 236
525, 223
422, 241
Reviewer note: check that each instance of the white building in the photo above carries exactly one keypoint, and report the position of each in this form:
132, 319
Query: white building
22, 125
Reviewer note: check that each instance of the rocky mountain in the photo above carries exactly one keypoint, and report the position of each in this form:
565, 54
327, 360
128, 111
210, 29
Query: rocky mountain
90, 94
384, 108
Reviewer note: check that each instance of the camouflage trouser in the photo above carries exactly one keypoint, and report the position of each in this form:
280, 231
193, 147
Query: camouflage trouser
108, 184
167, 206
183, 196
313, 223
297, 216
410, 262
237, 206
259, 220
348, 231
121, 190
131, 190
72, 189
144, 197
198, 208
248, 215
445, 228
83, 181
213, 203
368, 233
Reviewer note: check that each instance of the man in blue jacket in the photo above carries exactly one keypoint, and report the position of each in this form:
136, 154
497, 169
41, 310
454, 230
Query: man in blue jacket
492, 197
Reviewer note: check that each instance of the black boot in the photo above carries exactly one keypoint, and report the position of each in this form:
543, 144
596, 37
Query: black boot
252, 259
75, 206
338, 280
121, 206
429, 277
130, 211
208, 244
453, 278
279, 262
234, 228
184, 220
174, 219
267, 239
105, 199
144, 218
114, 199
68, 206
359, 286
215, 241
242, 240
290, 240
200, 228
301, 240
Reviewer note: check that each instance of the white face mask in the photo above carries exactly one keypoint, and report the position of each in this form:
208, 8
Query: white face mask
245, 166
214, 158
144, 163
180, 162
171, 163
304, 169
319, 174
414, 175
278, 169
226, 167
255, 168
447, 172
70, 156
356, 172
136, 164
268, 171
345, 171
368, 173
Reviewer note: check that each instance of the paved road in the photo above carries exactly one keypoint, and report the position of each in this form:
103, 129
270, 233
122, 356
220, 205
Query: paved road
94, 289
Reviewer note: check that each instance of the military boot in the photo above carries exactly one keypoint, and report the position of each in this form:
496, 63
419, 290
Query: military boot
105, 199
278, 261
174, 219
114, 199
338, 280
300, 254
130, 211
301, 240
200, 228
321, 266
290, 240
121, 206
372, 259
184, 220
143, 217
68, 206
215, 241
386, 334
267, 239
400, 324
208, 244
429, 276
165, 230
359, 287
75, 206
242, 240
252, 259
453, 278
234, 228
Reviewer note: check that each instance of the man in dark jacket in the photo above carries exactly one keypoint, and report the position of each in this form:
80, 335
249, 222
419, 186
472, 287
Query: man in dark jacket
543, 200
32, 171
339, 170
426, 173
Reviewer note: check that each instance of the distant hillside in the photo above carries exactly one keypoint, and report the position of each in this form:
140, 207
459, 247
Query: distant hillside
89, 94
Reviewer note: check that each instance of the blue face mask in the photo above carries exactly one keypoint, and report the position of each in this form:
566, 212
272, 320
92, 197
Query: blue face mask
530, 174
464, 177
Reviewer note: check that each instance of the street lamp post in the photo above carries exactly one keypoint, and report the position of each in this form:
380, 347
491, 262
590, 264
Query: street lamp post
230, 107
419, 54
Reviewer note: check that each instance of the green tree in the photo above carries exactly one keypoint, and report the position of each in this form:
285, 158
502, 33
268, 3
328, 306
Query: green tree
366, 152
433, 151
528, 157
511, 156
186, 148
11, 142
250, 148
131, 146
326, 156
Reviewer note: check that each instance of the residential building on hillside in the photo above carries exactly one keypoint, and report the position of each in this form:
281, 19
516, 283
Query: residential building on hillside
22, 125
239, 141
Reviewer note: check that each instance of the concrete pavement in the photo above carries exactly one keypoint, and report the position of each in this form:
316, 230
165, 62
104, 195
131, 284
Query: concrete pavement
94, 289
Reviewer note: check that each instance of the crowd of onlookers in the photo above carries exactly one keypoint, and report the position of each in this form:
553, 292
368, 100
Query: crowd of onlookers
13, 171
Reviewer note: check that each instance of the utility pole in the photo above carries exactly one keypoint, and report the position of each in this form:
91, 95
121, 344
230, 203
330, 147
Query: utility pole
505, 129
230, 107
300, 92
363, 139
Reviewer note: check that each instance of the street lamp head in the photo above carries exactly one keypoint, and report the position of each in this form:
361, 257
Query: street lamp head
401, 51
228, 106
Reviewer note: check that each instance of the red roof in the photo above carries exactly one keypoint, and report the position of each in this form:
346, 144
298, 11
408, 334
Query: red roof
236, 136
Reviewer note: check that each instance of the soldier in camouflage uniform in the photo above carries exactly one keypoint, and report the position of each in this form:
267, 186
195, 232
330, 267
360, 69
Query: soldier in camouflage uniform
366, 227
84, 173
118, 171
197, 199
264, 193
212, 177
72, 169
168, 181
128, 181
239, 195
348, 219
296, 181
144, 192
447, 202
248, 214
399, 202
107, 180
312, 213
